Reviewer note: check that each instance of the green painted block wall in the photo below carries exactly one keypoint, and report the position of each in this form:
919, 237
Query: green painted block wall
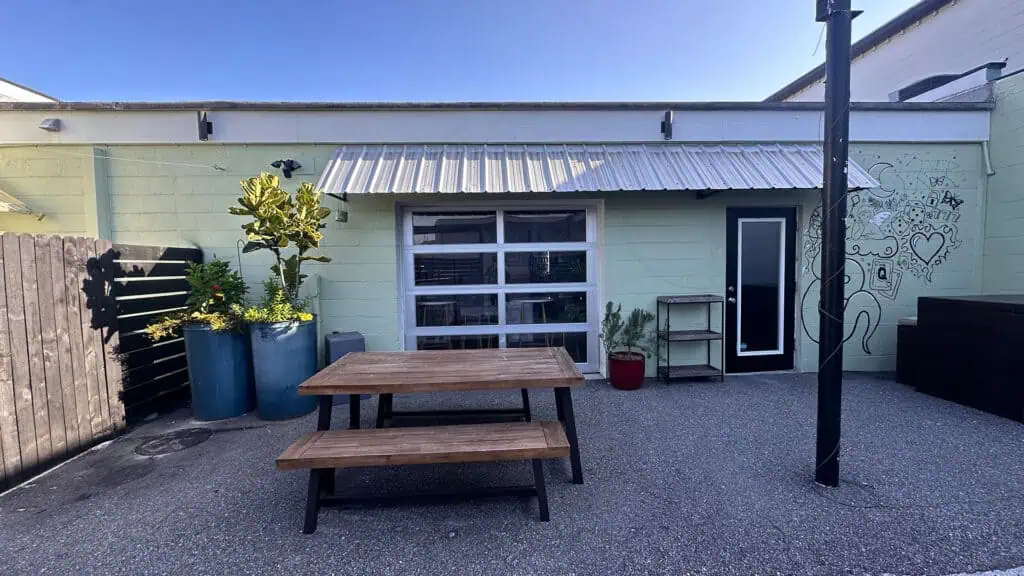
55, 181
671, 243
1004, 225
176, 197
650, 243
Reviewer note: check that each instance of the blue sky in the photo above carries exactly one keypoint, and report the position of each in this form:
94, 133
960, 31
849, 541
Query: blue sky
414, 50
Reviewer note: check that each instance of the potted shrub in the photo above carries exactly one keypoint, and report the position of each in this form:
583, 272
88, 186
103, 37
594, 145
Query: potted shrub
282, 331
216, 345
628, 344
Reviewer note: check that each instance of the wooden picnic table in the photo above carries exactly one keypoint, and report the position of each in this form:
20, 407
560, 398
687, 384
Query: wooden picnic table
424, 371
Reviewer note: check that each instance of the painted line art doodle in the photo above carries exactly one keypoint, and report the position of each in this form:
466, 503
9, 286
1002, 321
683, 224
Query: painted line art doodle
908, 225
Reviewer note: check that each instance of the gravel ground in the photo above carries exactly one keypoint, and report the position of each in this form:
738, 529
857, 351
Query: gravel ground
701, 478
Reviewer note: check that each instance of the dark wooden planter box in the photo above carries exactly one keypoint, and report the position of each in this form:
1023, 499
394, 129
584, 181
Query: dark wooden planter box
969, 351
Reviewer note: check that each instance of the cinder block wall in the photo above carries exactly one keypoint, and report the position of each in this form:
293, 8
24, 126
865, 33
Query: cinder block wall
651, 243
1004, 225
55, 181
179, 196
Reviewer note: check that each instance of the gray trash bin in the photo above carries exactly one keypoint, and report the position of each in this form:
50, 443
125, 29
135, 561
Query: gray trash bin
339, 344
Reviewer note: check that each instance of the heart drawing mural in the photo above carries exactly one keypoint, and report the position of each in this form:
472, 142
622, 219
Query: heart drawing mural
909, 225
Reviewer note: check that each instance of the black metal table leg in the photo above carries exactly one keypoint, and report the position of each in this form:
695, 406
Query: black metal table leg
353, 411
542, 493
384, 409
319, 478
312, 502
563, 404
323, 422
526, 405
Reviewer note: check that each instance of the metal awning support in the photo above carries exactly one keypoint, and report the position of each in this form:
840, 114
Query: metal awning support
11, 205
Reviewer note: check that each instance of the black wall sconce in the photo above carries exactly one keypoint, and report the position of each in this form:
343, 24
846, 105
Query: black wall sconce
204, 125
287, 166
342, 214
666, 125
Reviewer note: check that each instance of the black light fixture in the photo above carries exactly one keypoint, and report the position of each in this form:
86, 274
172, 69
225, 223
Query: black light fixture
666, 125
342, 214
204, 125
287, 166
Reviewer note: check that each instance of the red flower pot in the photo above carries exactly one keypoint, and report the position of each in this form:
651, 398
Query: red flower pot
626, 370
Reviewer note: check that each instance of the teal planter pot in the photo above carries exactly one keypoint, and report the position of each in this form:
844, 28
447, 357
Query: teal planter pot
220, 373
284, 356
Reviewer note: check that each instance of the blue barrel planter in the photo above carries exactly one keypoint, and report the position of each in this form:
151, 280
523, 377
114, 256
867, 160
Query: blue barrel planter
284, 356
220, 372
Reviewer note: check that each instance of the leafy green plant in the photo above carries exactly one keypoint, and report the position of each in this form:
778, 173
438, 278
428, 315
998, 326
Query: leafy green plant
276, 306
215, 294
278, 221
630, 334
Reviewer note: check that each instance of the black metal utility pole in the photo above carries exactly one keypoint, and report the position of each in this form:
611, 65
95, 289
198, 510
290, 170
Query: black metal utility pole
833, 236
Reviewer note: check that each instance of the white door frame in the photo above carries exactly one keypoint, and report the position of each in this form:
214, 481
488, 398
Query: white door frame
781, 320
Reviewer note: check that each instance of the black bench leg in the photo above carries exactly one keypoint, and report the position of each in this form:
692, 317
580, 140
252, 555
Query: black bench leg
563, 404
313, 500
353, 411
323, 422
526, 405
385, 403
542, 492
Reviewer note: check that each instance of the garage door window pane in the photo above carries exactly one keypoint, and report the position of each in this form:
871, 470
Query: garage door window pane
568, 226
574, 342
457, 310
457, 342
454, 228
455, 269
545, 267
546, 308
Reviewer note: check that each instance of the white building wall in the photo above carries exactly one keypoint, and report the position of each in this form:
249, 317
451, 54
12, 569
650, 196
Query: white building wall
964, 34
10, 92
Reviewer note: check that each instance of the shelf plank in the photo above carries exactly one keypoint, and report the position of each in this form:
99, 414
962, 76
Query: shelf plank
690, 299
689, 335
695, 371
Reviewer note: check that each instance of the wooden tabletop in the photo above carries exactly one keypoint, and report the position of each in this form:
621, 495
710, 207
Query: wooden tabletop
437, 370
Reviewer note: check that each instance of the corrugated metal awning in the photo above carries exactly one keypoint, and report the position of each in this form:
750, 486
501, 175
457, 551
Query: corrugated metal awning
403, 169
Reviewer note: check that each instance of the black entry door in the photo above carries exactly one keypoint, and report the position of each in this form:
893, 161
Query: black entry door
759, 290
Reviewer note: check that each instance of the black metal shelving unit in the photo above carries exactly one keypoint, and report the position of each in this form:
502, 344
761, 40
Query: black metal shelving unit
667, 337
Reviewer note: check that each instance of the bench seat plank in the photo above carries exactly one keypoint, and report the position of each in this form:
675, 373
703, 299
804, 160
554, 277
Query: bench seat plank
426, 445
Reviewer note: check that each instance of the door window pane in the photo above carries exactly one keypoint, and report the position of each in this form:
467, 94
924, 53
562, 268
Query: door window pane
574, 342
546, 308
455, 269
759, 286
568, 226
457, 310
545, 267
475, 342
455, 228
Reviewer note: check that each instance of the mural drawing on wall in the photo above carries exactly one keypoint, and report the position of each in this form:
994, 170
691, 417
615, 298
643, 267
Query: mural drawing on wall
907, 227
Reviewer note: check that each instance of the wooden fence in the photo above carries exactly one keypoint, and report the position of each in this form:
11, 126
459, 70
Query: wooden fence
74, 366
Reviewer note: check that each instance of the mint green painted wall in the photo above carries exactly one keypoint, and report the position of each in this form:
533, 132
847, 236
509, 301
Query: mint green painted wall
922, 227
52, 180
667, 243
651, 243
178, 205
1004, 228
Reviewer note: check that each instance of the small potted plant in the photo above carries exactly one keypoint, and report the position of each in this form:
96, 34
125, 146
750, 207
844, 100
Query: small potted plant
216, 346
628, 344
282, 330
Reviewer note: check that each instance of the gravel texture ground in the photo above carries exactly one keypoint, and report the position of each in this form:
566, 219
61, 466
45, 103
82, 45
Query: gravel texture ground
689, 478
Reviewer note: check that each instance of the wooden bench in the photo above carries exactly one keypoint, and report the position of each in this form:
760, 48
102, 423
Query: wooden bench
323, 451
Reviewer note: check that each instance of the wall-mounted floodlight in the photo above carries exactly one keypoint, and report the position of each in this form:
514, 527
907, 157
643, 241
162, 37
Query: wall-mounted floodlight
50, 125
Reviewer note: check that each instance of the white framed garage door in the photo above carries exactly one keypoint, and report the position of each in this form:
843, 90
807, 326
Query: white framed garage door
501, 278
